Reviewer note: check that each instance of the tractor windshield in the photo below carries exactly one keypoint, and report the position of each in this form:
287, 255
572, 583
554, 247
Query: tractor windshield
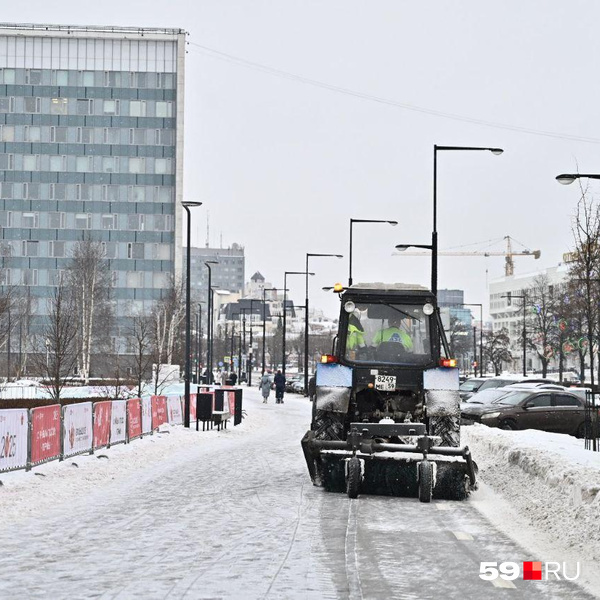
388, 333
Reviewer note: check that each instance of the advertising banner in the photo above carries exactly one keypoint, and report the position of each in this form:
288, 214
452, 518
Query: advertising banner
14, 426
77, 428
146, 415
231, 398
192, 407
45, 433
174, 410
159, 411
118, 421
102, 413
134, 418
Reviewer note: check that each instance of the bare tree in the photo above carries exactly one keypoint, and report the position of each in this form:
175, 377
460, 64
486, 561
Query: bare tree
57, 345
497, 348
142, 344
542, 323
89, 281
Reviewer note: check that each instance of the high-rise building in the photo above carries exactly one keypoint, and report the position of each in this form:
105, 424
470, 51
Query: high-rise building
91, 145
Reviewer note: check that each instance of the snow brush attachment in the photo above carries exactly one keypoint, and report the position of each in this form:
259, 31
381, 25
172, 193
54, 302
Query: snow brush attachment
420, 470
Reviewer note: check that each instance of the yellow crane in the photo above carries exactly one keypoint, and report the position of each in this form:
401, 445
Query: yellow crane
509, 265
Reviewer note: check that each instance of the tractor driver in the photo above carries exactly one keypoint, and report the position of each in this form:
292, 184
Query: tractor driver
356, 337
395, 333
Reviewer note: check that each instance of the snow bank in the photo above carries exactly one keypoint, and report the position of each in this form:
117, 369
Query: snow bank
549, 479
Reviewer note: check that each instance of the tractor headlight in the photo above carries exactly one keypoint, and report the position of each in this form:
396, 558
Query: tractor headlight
349, 307
428, 309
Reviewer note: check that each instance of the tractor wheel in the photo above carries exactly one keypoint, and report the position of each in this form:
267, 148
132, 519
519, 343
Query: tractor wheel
353, 477
425, 481
583, 429
508, 425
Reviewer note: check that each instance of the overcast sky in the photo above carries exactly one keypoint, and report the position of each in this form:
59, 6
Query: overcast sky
281, 164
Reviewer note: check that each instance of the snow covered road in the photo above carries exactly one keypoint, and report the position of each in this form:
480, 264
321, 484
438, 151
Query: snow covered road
233, 514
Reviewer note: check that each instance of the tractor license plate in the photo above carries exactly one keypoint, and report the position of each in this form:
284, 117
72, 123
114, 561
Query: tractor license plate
385, 383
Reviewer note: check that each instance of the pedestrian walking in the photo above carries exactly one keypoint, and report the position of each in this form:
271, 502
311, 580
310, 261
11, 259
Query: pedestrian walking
224, 377
233, 378
265, 387
279, 387
312, 388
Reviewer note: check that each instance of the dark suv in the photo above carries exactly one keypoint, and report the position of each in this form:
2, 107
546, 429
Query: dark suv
548, 410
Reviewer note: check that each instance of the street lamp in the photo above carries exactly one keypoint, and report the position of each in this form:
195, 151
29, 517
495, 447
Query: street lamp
434, 241
524, 298
286, 273
264, 316
199, 342
306, 271
209, 323
352, 221
188, 344
251, 352
568, 178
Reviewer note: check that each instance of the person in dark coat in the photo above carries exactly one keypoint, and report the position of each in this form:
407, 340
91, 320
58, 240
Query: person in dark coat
279, 382
232, 378
312, 388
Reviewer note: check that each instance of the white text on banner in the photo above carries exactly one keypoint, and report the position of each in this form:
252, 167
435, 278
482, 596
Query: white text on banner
77, 428
118, 421
13, 438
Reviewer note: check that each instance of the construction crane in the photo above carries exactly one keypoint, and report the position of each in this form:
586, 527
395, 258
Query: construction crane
509, 265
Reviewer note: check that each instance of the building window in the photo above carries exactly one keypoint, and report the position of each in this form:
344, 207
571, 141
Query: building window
112, 79
8, 76
137, 108
30, 220
109, 222
30, 276
7, 133
7, 105
31, 191
85, 135
135, 279
164, 110
83, 221
58, 135
162, 222
58, 106
32, 134
162, 251
137, 165
137, 193
60, 77
33, 77
112, 135
109, 249
32, 104
83, 164
110, 193
30, 248
58, 163
135, 251
85, 106
31, 162
57, 191
5, 278
135, 222
162, 166
57, 220
160, 280
137, 136
111, 107
6, 191
110, 164
7, 162
6, 218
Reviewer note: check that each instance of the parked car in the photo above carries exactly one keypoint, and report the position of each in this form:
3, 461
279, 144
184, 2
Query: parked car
291, 383
470, 386
547, 409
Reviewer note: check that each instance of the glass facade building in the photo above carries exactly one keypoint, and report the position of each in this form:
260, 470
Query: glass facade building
91, 143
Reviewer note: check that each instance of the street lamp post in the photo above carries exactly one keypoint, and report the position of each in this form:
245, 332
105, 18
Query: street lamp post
524, 298
434, 240
306, 271
209, 323
188, 343
352, 221
264, 327
251, 351
199, 343
286, 273
480, 334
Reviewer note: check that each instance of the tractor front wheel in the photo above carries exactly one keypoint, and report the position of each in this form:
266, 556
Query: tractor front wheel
425, 481
353, 477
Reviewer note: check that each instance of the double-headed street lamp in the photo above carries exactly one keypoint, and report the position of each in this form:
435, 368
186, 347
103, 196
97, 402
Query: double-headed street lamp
480, 336
286, 273
352, 221
198, 342
209, 324
434, 241
188, 346
306, 271
524, 298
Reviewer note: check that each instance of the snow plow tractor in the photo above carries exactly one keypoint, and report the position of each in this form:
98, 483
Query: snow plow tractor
386, 415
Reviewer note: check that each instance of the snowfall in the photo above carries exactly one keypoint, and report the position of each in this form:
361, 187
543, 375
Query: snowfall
540, 489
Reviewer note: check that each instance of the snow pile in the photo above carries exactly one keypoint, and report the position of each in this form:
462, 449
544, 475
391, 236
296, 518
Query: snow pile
548, 478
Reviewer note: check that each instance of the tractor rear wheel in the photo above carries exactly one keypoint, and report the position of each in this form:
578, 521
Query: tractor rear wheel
353, 477
425, 481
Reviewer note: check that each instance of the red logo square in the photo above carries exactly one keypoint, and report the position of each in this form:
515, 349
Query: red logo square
532, 570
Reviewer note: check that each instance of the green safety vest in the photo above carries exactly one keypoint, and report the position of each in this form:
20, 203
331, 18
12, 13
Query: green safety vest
356, 338
393, 334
